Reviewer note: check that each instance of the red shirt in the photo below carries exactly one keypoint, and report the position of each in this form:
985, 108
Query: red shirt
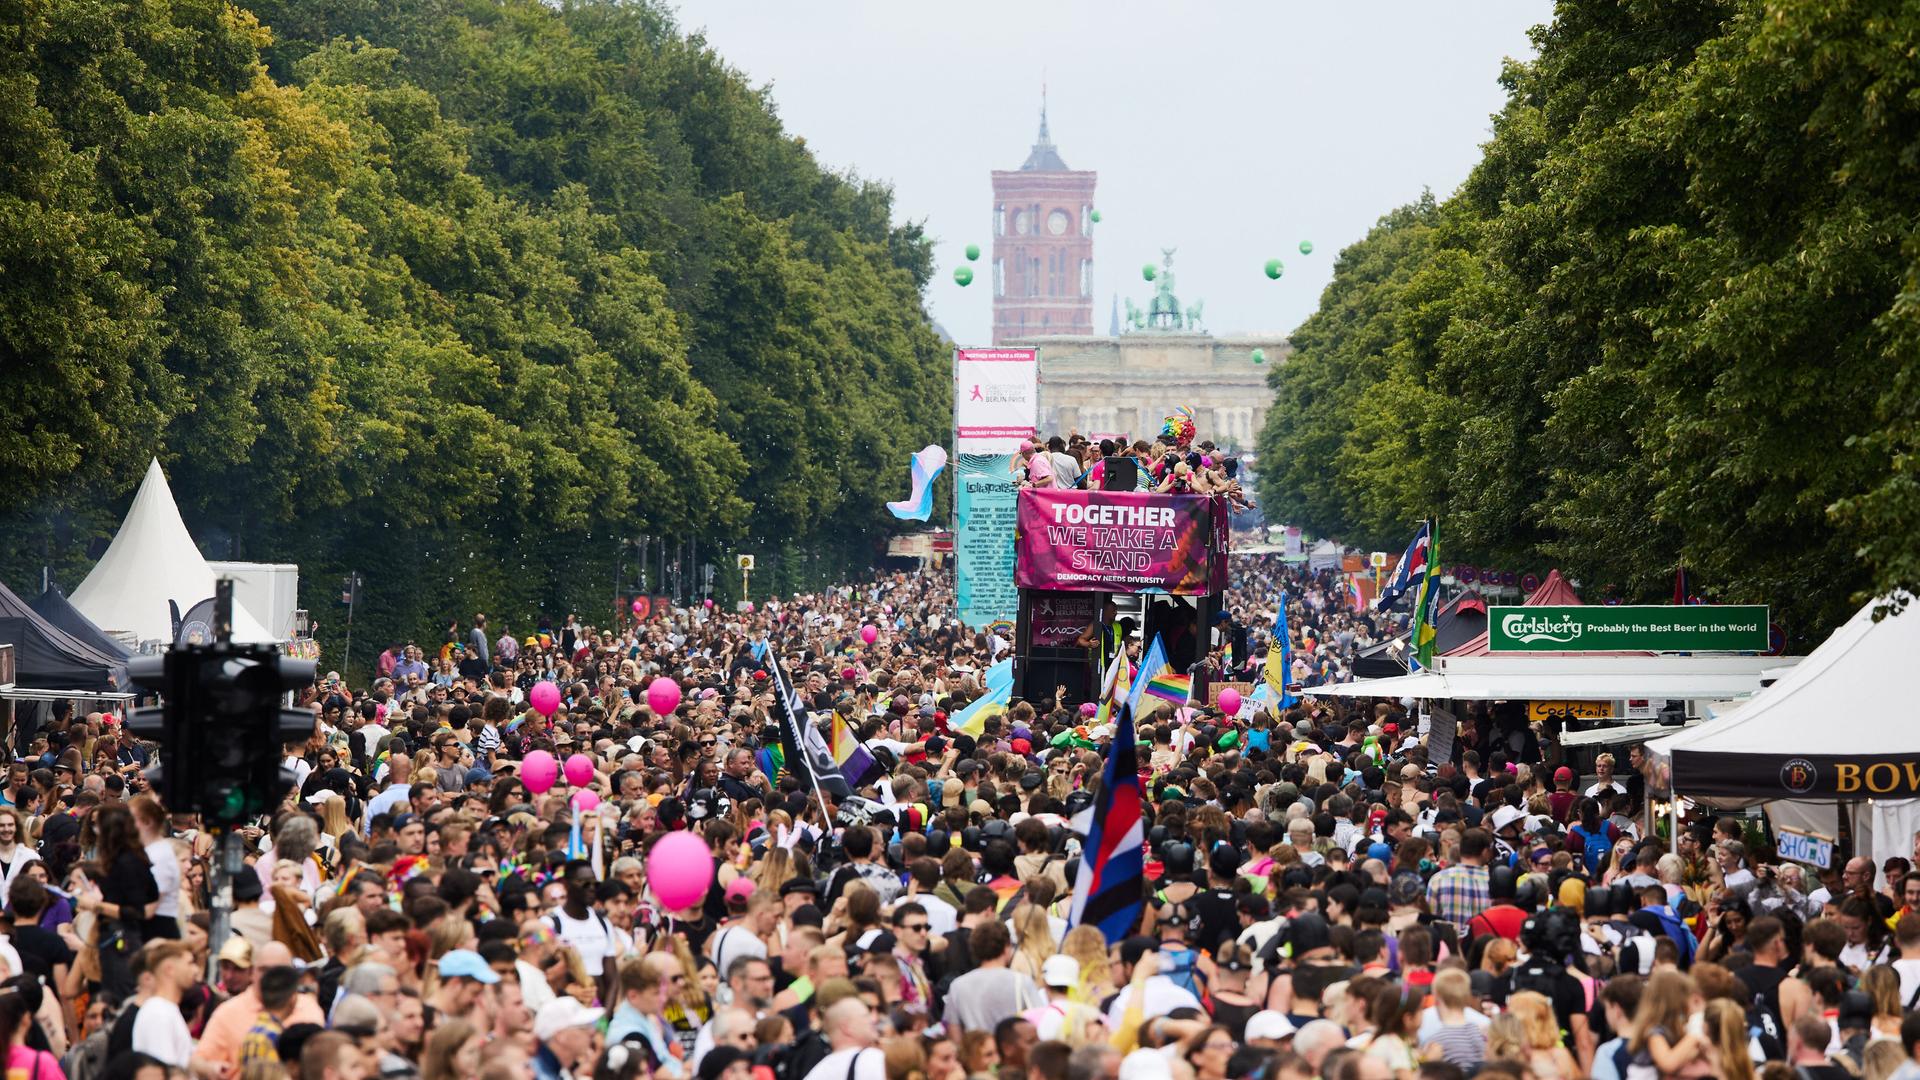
1501, 920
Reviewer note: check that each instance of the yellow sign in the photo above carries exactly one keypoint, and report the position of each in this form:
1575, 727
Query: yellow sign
1570, 710
744, 562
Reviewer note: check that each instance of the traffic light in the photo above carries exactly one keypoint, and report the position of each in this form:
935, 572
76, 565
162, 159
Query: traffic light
221, 727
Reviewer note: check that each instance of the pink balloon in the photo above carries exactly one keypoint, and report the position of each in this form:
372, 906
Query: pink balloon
708, 602
869, 633
1230, 701
663, 695
579, 770
585, 801
545, 698
747, 606
538, 771
679, 869
636, 607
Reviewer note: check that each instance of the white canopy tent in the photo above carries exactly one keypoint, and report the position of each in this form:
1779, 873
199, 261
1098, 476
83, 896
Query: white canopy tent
1571, 678
152, 560
1822, 735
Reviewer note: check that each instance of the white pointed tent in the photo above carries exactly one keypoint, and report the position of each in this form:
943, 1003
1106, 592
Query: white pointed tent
1827, 734
152, 560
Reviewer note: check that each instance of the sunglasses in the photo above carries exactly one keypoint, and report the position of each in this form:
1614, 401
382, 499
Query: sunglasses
914, 926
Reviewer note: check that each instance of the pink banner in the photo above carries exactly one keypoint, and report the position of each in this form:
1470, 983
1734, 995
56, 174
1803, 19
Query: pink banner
1119, 541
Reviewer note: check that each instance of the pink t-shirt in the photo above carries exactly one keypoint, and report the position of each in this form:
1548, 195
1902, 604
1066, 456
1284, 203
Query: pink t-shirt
24, 1063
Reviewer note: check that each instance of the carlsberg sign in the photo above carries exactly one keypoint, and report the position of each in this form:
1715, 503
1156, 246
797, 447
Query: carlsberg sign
1623, 628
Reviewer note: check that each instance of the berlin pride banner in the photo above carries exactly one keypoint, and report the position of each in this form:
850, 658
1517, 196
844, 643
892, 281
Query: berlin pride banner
1116, 541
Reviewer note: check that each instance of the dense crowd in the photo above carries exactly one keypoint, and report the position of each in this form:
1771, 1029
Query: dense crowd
1323, 896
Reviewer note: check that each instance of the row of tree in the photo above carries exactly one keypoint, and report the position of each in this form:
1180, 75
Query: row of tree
1672, 317
457, 295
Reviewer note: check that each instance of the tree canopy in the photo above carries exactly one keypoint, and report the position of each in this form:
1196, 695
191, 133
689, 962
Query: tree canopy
1670, 319
458, 296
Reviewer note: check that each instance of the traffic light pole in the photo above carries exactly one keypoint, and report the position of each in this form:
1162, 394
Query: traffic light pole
220, 908
222, 722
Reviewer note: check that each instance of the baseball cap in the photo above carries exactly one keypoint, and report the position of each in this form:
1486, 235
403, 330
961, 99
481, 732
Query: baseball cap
467, 964
1268, 1024
238, 951
558, 1015
1562, 775
1060, 970
719, 1059
739, 889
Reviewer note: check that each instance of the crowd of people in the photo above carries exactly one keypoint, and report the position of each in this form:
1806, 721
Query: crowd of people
1328, 893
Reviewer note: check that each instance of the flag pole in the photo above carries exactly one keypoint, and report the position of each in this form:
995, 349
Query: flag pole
799, 737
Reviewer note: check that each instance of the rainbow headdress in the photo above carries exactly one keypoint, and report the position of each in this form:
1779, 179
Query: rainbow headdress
1180, 426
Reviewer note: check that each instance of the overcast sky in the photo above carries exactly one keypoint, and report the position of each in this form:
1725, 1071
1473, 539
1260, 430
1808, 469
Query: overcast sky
1229, 129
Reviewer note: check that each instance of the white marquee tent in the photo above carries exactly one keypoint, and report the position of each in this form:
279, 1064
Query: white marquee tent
152, 560
1826, 733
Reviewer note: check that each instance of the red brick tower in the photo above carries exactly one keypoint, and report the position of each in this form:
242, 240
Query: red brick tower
1042, 246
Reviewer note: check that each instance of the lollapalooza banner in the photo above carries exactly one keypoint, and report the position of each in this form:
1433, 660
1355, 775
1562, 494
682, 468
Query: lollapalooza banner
1119, 541
983, 524
995, 408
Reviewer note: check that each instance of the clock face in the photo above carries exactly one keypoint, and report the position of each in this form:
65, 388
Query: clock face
1021, 223
1057, 222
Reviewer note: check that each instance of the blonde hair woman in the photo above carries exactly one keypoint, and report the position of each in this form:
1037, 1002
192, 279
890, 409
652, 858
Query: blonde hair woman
452, 1052
1545, 1056
1087, 945
1035, 932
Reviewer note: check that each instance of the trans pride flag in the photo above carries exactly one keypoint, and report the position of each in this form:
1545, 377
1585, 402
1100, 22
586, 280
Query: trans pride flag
927, 466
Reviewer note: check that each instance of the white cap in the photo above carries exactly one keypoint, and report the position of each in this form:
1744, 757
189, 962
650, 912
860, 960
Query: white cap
1060, 970
562, 1013
1267, 1024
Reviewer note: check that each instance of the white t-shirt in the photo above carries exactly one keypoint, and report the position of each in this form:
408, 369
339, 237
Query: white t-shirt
1163, 996
166, 875
842, 1065
733, 942
160, 1030
941, 918
1909, 972
592, 937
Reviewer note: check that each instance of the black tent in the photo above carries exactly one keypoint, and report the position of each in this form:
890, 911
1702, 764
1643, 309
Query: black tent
48, 658
60, 613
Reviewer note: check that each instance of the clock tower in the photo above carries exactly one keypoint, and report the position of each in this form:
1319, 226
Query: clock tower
1042, 246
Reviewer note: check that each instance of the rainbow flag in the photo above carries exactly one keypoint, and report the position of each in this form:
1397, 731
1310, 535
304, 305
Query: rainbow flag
1170, 687
773, 762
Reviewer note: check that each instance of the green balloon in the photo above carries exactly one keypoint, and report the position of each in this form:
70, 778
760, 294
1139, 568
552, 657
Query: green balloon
1228, 740
963, 275
1259, 356
1148, 271
973, 252
1306, 247
1275, 269
1095, 215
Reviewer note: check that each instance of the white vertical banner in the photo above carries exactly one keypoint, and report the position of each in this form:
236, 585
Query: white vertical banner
996, 399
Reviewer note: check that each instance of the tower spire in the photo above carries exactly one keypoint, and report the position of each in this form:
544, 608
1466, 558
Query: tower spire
1044, 158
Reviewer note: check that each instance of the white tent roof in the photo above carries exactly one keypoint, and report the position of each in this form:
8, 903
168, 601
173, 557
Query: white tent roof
152, 560
1571, 678
1833, 703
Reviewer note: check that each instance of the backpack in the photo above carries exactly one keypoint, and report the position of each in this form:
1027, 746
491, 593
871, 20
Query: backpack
1595, 846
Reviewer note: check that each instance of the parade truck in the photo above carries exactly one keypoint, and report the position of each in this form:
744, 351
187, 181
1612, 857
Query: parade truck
1097, 568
